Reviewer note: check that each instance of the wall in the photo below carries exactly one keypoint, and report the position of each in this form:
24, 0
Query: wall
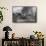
23, 29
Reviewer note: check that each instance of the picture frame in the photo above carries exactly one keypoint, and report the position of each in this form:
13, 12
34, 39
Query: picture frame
24, 14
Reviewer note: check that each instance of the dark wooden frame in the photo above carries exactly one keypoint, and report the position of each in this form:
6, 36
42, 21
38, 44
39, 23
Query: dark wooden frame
24, 22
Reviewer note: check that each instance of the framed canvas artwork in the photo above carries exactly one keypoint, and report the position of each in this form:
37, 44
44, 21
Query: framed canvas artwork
24, 14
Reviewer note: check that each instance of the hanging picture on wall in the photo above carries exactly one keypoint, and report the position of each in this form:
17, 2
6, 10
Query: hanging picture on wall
24, 14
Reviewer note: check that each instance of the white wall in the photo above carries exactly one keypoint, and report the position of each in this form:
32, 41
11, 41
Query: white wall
24, 29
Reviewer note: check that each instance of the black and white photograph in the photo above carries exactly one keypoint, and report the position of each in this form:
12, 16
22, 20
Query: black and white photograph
24, 14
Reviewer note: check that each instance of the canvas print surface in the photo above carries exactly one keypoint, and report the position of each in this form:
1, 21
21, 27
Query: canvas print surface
24, 14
